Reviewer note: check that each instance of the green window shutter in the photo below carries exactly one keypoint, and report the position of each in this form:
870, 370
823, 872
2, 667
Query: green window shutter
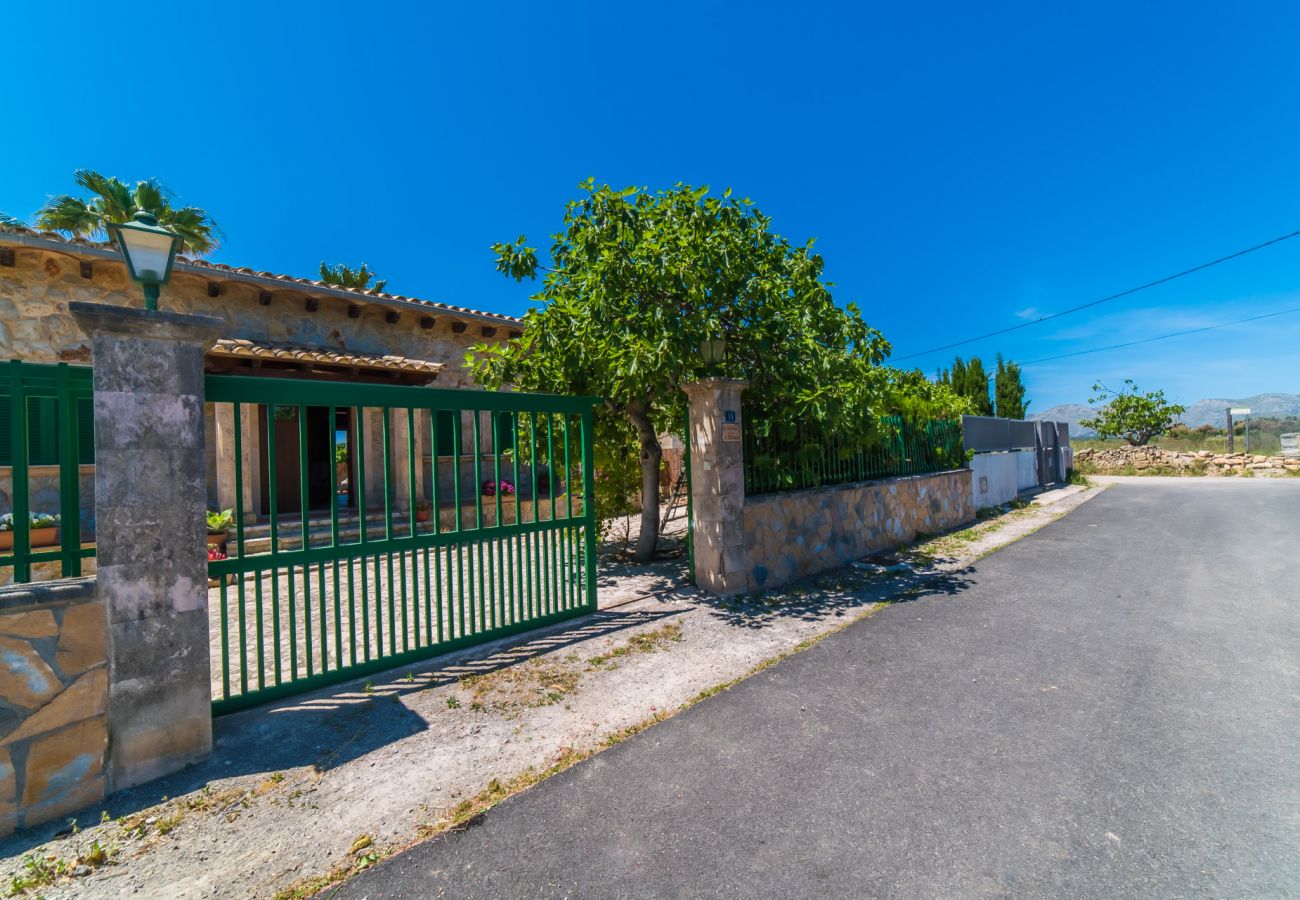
85, 431
445, 433
42, 431
504, 422
6, 431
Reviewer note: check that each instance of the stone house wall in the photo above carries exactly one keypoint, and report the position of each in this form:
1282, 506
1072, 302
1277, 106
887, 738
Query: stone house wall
793, 534
53, 715
35, 325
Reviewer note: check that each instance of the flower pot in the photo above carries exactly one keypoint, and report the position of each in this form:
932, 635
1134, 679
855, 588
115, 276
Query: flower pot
422, 514
218, 539
40, 537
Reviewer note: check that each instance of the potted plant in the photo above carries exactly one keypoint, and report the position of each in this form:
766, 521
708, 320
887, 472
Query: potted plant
422, 509
490, 488
215, 555
43, 530
219, 525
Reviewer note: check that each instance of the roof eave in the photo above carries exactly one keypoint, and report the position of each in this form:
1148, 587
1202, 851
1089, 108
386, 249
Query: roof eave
92, 251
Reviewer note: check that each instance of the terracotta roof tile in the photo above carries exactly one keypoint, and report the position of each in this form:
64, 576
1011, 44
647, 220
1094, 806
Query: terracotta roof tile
244, 349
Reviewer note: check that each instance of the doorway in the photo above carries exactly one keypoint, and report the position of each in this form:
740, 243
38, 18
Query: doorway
320, 456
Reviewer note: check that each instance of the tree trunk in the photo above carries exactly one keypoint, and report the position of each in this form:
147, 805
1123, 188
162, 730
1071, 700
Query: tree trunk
651, 454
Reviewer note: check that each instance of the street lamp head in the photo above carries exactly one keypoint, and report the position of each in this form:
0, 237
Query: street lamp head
149, 250
713, 350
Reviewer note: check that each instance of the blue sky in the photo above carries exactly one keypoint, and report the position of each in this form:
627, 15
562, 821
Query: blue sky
960, 164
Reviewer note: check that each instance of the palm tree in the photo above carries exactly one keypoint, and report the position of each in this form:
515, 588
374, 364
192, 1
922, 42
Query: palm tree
115, 201
8, 221
346, 276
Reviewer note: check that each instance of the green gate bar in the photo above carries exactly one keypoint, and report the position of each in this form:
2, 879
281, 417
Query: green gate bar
362, 589
46, 419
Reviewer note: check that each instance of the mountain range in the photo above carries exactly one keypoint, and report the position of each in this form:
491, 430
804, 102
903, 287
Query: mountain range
1202, 412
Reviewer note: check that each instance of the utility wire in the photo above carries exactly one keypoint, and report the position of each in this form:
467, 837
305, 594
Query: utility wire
1141, 287
1162, 337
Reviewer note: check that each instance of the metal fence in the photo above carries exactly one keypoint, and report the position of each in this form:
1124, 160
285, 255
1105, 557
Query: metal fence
496, 536
809, 459
46, 425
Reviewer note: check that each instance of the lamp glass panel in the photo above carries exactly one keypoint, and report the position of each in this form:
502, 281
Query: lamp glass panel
148, 251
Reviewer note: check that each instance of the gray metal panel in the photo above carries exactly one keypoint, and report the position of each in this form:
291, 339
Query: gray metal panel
985, 434
1022, 435
1063, 433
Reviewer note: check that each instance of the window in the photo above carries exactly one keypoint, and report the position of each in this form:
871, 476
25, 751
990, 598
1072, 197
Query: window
43, 431
444, 432
504, 424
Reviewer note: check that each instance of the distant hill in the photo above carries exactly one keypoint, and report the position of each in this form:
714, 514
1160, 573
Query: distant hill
1202, 412
1069, 412
1210, 412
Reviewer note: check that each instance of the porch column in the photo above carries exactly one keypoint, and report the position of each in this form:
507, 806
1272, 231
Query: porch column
397, 458
422, 490
717, 484
374, 456
251, 439
150, 488
225, 444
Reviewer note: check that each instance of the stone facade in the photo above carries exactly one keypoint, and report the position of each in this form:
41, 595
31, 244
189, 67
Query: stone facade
797, 533
35, 325
1121, 460
53, 715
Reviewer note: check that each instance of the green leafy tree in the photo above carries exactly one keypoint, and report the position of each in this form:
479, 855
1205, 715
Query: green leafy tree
346, 276
969, 380
1132, 415
637, 280
1009, 390
114, 202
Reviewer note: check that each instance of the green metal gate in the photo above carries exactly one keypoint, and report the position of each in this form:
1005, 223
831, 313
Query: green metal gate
376, 525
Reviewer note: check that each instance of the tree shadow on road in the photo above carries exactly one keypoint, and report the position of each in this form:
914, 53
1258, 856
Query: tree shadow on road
834, 593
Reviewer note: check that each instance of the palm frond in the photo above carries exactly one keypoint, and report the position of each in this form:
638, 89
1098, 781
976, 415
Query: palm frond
8, 221
113, 197
199, 234
69, 214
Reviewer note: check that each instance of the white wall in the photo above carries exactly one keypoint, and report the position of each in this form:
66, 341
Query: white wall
994, 477
1026, 469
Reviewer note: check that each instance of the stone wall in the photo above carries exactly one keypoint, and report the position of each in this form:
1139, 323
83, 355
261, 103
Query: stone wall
1131, 460
798, 533
53, 715
35, 325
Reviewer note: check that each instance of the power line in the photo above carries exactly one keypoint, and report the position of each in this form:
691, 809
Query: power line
1141, 287
1162, 337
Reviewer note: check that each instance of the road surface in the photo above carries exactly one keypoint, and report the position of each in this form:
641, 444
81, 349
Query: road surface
1109, 707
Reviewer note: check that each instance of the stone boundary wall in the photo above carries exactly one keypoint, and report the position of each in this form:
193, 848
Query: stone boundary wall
793, 534
54, 711
1201, 462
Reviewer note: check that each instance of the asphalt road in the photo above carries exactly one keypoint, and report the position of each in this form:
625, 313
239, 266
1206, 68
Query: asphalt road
1109, 707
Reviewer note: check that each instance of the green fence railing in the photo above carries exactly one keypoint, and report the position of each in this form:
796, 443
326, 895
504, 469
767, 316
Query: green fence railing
46, 435
813, 459
376, 525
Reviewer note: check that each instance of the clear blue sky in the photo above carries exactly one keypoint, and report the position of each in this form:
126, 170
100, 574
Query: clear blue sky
960, 164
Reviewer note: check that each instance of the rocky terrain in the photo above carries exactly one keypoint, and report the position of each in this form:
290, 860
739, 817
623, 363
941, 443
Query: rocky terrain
1153, 460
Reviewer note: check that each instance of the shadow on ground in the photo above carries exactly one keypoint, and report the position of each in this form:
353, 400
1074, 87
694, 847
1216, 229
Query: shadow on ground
834, 593
329, 727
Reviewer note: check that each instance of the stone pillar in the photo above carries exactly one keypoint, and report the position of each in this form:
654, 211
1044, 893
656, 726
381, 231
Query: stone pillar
150, 487
717, 483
